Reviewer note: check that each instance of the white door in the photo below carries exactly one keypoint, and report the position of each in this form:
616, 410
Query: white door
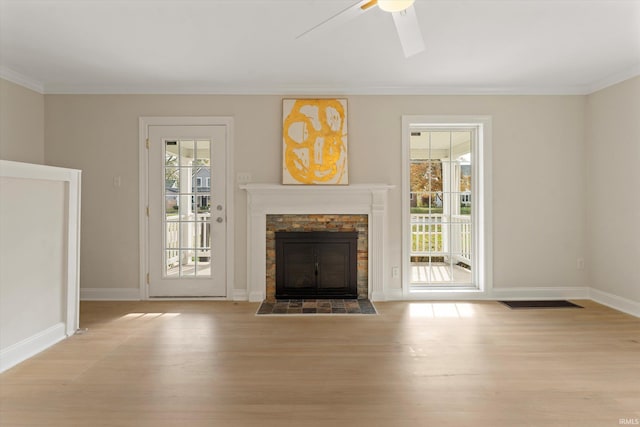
187, 221
440, 180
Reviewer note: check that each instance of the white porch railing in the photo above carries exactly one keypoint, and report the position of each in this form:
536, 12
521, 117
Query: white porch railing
441, 235
426, 234
196, 234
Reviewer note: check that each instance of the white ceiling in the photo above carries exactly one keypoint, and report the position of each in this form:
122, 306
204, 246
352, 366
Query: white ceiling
250, 46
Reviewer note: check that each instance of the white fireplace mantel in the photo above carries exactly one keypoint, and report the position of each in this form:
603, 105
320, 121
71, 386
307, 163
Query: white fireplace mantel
357, 199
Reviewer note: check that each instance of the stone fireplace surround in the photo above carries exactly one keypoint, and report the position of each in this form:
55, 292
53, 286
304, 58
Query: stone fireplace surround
275, 199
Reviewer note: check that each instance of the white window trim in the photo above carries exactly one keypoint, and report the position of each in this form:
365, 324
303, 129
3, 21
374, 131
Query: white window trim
483, 243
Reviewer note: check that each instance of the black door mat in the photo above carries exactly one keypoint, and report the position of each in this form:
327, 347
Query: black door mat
540, 304
316, 306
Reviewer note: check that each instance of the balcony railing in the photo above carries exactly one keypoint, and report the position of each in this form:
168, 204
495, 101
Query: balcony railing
441, 235
196, 235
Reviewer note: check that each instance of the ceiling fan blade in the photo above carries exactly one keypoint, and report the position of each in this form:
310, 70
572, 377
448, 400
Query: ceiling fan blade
343, 16
409, 31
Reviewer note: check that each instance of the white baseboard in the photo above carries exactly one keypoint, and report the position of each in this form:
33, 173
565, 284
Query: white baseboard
389, 295
618, 303
109, 294
539, 293
240, 295
31, 346
378, 296
257, 296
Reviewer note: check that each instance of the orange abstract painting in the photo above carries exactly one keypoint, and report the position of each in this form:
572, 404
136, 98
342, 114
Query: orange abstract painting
314, 135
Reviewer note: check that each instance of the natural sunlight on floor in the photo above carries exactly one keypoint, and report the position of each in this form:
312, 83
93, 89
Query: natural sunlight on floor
440, 310
131, 316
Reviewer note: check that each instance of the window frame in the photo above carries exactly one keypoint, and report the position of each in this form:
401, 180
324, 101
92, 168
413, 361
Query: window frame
481, 212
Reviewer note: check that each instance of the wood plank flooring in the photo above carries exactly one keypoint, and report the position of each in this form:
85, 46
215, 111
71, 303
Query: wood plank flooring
203, 363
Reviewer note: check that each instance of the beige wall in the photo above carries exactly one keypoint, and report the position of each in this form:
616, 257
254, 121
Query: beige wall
613, 177
538, 172
21, 124
553, 156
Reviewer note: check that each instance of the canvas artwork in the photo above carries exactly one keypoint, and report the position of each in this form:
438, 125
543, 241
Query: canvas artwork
314, 138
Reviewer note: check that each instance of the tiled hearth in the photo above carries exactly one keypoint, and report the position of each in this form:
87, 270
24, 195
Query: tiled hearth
317, 201
317, 306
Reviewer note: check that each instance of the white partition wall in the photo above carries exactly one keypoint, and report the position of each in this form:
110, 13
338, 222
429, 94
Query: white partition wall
39, 258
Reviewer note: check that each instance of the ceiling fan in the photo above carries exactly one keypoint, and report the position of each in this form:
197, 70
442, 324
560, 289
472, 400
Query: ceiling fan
404, 17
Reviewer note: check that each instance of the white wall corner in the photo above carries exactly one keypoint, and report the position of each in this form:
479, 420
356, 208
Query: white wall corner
618, 303
109, 294
31, 346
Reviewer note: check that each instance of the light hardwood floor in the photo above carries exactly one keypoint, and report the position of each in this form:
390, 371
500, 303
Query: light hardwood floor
199, 363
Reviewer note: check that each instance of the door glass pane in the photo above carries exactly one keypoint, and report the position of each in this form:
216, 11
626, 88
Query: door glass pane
187, 152
171, 263
172, 235
171, 208
440, 198
171, 179
463, 176
171, 153
187, 194
203, 153
202, 235
188, 262
440, 271
204, 263
203, 204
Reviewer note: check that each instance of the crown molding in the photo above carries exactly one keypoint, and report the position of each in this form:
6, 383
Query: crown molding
22, 80
72, 89
616, 78
315, 90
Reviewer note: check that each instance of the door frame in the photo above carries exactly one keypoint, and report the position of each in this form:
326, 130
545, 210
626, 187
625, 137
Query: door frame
144, 123
482, 211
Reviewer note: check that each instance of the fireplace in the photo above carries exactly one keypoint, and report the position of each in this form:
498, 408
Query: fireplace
265, 201
320, 264
314, 223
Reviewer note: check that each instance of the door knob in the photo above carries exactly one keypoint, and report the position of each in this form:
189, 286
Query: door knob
219, 207
219, 219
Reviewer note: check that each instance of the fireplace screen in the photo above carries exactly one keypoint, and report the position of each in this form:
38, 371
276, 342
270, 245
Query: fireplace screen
316, 264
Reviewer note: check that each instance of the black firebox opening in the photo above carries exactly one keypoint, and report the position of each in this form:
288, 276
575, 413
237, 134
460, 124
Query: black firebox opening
316, 264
